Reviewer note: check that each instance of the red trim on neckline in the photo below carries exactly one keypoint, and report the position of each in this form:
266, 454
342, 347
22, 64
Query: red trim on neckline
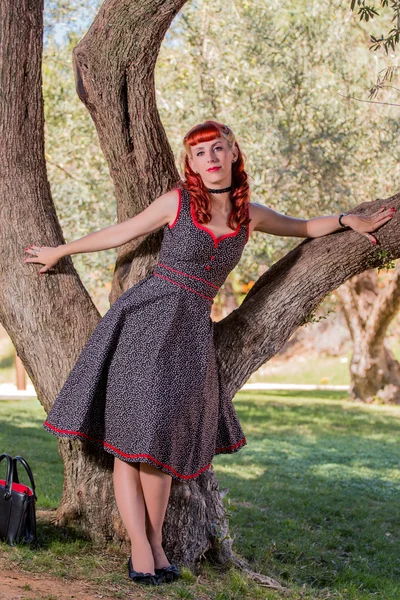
178, 211
211, 233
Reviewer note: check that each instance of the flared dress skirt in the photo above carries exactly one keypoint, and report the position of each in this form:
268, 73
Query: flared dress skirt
146, 386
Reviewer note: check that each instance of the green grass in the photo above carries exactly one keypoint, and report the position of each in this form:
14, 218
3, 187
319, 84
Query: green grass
330, 370
313, 502
22, 433
314, 496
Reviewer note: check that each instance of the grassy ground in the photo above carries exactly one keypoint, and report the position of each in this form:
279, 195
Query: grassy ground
313, 502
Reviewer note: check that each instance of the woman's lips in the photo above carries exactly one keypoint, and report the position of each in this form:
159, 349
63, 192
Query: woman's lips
214, 169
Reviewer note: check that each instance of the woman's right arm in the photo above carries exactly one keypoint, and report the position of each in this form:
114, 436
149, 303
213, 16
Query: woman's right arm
156, 215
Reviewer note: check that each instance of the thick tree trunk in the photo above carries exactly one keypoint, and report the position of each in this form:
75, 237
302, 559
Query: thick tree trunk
50, 318
114, 73
375, 373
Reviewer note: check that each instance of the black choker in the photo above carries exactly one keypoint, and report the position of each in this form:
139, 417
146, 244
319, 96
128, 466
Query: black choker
228, 189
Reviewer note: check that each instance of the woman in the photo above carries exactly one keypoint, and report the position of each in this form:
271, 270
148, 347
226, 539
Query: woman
146, 386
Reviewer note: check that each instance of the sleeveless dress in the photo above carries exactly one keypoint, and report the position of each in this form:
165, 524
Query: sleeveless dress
146, 386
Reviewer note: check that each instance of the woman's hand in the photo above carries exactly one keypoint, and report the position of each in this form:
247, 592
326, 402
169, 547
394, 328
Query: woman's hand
365, 223
45, 255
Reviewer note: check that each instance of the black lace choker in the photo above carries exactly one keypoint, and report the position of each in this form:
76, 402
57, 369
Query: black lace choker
228, 189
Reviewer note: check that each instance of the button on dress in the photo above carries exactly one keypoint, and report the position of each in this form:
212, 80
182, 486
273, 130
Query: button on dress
146, 386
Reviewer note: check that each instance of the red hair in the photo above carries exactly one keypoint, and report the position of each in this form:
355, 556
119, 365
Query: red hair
240, 194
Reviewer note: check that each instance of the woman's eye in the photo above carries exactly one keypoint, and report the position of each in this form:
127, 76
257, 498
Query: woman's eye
216, 148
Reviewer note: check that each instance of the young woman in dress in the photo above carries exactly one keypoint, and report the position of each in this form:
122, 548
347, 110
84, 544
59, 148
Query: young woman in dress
221, 211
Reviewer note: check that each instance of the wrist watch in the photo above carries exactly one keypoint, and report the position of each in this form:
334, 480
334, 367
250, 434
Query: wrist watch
340, 219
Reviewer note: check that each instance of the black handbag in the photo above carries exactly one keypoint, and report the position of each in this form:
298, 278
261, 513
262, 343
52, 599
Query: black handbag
17, 504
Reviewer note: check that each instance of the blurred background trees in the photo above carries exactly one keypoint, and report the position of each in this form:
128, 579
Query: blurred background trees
282, 75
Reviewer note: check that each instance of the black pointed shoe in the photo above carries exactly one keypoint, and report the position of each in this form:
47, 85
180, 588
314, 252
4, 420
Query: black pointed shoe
144, 578
170, 573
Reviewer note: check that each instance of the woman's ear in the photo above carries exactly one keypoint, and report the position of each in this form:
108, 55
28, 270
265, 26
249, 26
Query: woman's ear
235, 152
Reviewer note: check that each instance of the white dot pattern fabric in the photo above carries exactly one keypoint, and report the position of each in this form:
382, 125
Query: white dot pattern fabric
146, 386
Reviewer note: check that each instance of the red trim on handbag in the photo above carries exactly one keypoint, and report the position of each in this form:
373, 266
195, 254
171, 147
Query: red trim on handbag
204, 228
18, 487
178, 211
187, 275
84, 435
183, 286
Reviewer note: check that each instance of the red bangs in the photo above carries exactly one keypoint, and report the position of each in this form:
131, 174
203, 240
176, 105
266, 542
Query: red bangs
205, 132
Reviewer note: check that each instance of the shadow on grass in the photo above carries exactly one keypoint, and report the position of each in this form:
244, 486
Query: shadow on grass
313, 497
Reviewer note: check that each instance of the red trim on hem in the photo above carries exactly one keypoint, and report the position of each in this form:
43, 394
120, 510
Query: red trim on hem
86, 436
187, 275
184, 286
178, 211
242, 441
211, 233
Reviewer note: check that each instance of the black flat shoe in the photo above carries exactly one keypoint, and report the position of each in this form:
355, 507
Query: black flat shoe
170, 573
144, 578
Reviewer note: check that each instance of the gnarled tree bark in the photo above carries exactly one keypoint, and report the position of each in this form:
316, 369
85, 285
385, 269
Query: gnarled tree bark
375, 372
50, 318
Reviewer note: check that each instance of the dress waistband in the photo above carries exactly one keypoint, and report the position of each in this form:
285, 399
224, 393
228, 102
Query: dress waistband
192, 283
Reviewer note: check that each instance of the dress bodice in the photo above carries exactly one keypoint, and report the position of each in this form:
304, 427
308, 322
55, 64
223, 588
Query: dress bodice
191, 251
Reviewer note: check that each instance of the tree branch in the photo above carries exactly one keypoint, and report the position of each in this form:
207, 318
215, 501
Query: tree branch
289, 291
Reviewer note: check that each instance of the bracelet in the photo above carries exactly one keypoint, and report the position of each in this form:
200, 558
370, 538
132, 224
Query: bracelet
340, 219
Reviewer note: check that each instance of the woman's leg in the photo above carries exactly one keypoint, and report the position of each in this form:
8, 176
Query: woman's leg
130, 501
156, 486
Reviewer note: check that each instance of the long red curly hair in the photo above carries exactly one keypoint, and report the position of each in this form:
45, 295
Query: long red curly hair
240, 194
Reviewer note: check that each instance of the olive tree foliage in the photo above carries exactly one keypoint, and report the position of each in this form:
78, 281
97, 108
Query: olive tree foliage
77, 170
388, 13
274, 72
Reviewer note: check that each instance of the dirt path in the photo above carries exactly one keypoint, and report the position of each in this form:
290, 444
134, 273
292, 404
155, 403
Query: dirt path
27, 586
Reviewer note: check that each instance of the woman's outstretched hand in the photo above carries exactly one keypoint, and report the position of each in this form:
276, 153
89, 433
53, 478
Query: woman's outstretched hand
366, 223
45, 255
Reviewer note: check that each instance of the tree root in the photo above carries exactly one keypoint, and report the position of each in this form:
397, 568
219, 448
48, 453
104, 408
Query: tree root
263, 580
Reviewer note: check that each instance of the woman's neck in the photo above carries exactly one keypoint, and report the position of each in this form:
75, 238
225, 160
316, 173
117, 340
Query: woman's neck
222, 202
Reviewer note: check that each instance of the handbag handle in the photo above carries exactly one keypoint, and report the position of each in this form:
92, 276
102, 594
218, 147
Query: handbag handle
9, 476
27, 468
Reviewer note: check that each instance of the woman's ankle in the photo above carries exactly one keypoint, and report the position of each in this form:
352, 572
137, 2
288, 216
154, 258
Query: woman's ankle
142, 557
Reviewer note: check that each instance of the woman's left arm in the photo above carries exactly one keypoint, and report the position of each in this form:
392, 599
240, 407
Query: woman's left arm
270, 221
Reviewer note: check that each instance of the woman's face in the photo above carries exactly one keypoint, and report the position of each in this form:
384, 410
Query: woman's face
215, 155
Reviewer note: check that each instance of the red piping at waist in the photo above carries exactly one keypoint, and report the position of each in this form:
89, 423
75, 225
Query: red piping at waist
184, 286
187, 275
